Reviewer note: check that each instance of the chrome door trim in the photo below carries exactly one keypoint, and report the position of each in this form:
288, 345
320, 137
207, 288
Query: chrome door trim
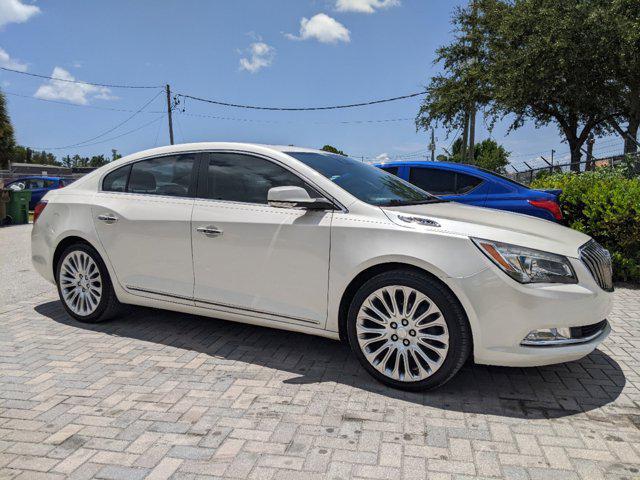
239, 310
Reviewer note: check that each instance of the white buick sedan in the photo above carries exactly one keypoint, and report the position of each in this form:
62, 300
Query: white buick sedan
313, 242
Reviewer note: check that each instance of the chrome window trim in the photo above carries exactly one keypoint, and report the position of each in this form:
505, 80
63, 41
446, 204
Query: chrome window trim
238, 310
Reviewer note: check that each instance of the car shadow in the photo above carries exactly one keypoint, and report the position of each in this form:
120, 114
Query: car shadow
532, 393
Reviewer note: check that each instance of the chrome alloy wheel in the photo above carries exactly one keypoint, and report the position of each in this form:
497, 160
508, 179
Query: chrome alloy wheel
80, 283
402, 333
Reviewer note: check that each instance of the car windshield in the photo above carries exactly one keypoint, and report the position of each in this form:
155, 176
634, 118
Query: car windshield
364, 181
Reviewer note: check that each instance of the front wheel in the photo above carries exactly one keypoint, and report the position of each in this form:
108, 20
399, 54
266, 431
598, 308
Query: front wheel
84, 285
408, 330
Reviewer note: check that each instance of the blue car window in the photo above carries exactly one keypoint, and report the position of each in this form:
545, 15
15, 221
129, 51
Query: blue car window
433, 180
466, 183
391, 170
443, 182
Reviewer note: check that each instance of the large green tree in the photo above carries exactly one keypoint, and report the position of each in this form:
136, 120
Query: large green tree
548, 63
461, 89
7, 141
620, 22
543, 61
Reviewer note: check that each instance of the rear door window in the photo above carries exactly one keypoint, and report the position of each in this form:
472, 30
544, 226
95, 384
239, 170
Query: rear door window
167, 176
391, 170
465, 183
434, 180
116, 181
443, 182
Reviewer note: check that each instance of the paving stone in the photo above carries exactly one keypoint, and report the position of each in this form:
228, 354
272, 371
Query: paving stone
161, 395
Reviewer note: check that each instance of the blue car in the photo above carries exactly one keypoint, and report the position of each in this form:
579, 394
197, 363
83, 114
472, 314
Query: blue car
38, 185
476, 186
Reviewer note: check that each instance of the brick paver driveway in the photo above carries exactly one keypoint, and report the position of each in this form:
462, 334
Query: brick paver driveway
163, 395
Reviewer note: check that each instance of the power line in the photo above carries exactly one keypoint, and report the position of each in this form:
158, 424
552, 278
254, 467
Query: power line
300, 109
144, 125
78, 144
258, 120
117, 136
96, 107
57, 79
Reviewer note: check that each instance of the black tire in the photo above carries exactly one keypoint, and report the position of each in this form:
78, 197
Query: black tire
109, 306
460, 340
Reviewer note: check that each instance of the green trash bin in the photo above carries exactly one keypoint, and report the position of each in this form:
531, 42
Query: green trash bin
18, 207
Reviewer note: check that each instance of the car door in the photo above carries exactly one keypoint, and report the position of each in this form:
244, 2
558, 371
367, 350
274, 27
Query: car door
449, 184
142, 216
252, 258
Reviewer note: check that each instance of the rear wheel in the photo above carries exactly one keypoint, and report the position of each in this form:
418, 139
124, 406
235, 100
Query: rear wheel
84, 285
408, 330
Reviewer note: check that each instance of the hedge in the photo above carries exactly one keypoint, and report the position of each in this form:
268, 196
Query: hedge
604, 204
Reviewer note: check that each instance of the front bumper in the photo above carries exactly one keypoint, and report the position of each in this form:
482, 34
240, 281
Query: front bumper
502, 312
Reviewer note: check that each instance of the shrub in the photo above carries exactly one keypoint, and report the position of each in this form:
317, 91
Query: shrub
604, 204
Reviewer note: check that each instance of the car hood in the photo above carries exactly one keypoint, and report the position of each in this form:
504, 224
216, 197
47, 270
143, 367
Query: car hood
497, 225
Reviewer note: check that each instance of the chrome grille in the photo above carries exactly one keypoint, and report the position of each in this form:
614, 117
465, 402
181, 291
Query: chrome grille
598, 261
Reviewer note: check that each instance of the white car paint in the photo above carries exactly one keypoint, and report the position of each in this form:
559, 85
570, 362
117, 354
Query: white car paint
289, 269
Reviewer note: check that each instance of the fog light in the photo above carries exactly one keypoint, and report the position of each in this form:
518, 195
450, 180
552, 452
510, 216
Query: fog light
544, 336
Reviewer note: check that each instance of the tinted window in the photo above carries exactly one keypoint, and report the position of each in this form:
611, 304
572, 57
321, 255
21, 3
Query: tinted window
33, 183
49, 183
466, 183
365, 182
443, 182
244, 178
162, 176
391, 170
433, 180
116, 181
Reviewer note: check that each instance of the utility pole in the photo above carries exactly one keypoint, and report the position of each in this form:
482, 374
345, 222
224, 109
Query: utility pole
169, 114
465, 136
472, 135
553, 152
432, 146
472, 111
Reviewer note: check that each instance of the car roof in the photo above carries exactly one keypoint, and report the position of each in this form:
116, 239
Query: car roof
29, 177
422, 163
185, 147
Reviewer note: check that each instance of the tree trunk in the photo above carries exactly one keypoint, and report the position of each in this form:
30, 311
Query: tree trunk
630, 135
465, 137
576, 156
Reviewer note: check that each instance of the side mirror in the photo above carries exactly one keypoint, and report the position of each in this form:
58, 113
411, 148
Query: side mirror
296, 197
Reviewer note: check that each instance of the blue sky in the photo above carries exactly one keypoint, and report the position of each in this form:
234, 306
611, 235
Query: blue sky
275, 52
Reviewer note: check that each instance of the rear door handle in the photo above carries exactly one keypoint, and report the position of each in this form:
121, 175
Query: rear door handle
210, 231
108, 218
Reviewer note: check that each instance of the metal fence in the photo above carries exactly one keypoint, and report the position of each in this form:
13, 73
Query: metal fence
527, 176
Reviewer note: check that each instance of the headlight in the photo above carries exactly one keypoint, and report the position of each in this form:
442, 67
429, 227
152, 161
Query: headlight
527, 265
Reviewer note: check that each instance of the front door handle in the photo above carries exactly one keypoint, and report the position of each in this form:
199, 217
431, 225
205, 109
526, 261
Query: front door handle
210, 231
108, 218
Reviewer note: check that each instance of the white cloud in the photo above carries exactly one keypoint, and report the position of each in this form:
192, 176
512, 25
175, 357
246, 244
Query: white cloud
260, 55
79, 93
383, 157
323, 28
364, 6
12, 63
14, 11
